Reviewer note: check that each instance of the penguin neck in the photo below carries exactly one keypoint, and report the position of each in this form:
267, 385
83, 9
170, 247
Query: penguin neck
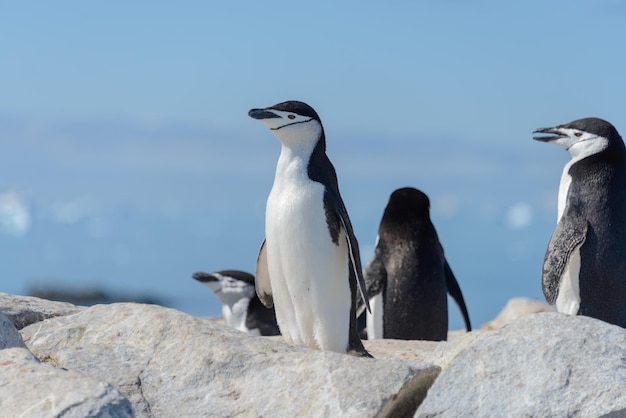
579, 151
296, 155
600, 150
235, 314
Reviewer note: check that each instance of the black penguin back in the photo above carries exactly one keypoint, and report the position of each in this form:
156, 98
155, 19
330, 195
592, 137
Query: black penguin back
415, 296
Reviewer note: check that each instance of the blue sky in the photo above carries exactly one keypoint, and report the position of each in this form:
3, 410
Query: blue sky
127, 158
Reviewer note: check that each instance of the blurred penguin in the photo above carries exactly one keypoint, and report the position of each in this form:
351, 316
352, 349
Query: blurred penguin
241, 307
408, 277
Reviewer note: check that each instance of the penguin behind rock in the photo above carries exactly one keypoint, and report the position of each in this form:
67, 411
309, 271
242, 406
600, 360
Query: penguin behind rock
309, 265
408, 277
241, 307
584, 270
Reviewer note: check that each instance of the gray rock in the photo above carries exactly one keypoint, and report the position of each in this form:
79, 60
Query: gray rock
171, 364
445, 352
547, 364
29, 388
26, 310
9, 337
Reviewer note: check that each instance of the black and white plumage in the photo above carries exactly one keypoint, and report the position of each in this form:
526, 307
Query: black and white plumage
584, 270
408, 278
309, 265
241, 307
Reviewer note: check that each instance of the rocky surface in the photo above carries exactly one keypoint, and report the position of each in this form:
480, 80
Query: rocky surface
9, 337
547, 364
171, 364
420, 351
26, 310
29, 388
166, 363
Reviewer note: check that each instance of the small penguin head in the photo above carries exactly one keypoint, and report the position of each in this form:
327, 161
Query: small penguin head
294, 123
405, 219
228, 286
582, 137
408, 203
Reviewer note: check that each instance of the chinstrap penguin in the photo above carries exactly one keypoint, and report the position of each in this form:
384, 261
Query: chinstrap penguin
408, 277
584, 270
309, 265
241, 307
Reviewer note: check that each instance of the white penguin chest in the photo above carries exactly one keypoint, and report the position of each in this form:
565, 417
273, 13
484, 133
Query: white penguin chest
374, 320
564, 186
307, 269
568, 296
295, 212
300, 248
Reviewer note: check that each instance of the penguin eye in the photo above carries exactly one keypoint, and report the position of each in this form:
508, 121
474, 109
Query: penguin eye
578, 134
291, 116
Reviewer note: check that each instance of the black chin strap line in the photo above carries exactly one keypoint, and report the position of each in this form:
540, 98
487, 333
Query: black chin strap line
289, 124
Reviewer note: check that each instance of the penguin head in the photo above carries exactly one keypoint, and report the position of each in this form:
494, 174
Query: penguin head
294, 123
229, 286
582, 137
407, 203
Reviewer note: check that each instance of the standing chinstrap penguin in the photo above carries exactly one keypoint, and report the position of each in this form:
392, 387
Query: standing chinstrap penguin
241, 307
584, 270
309, 265
408, 278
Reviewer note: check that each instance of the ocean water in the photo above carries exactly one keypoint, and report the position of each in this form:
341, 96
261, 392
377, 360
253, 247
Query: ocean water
155, 257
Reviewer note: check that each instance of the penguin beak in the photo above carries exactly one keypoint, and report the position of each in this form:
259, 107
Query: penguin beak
204, 277
262, 114
554, 133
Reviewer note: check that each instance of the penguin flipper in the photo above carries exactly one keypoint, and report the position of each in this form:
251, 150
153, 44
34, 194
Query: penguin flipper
353, 246
455, 291
262, 278
570, 233
355, 345
334, 205
375, 276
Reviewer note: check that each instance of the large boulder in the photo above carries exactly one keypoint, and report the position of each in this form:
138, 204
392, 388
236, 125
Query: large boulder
547, 364
29, 388
26, 310
171, 364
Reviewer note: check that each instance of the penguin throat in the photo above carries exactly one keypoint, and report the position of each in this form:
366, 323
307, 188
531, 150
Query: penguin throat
300, 138
586, 148
235, 315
